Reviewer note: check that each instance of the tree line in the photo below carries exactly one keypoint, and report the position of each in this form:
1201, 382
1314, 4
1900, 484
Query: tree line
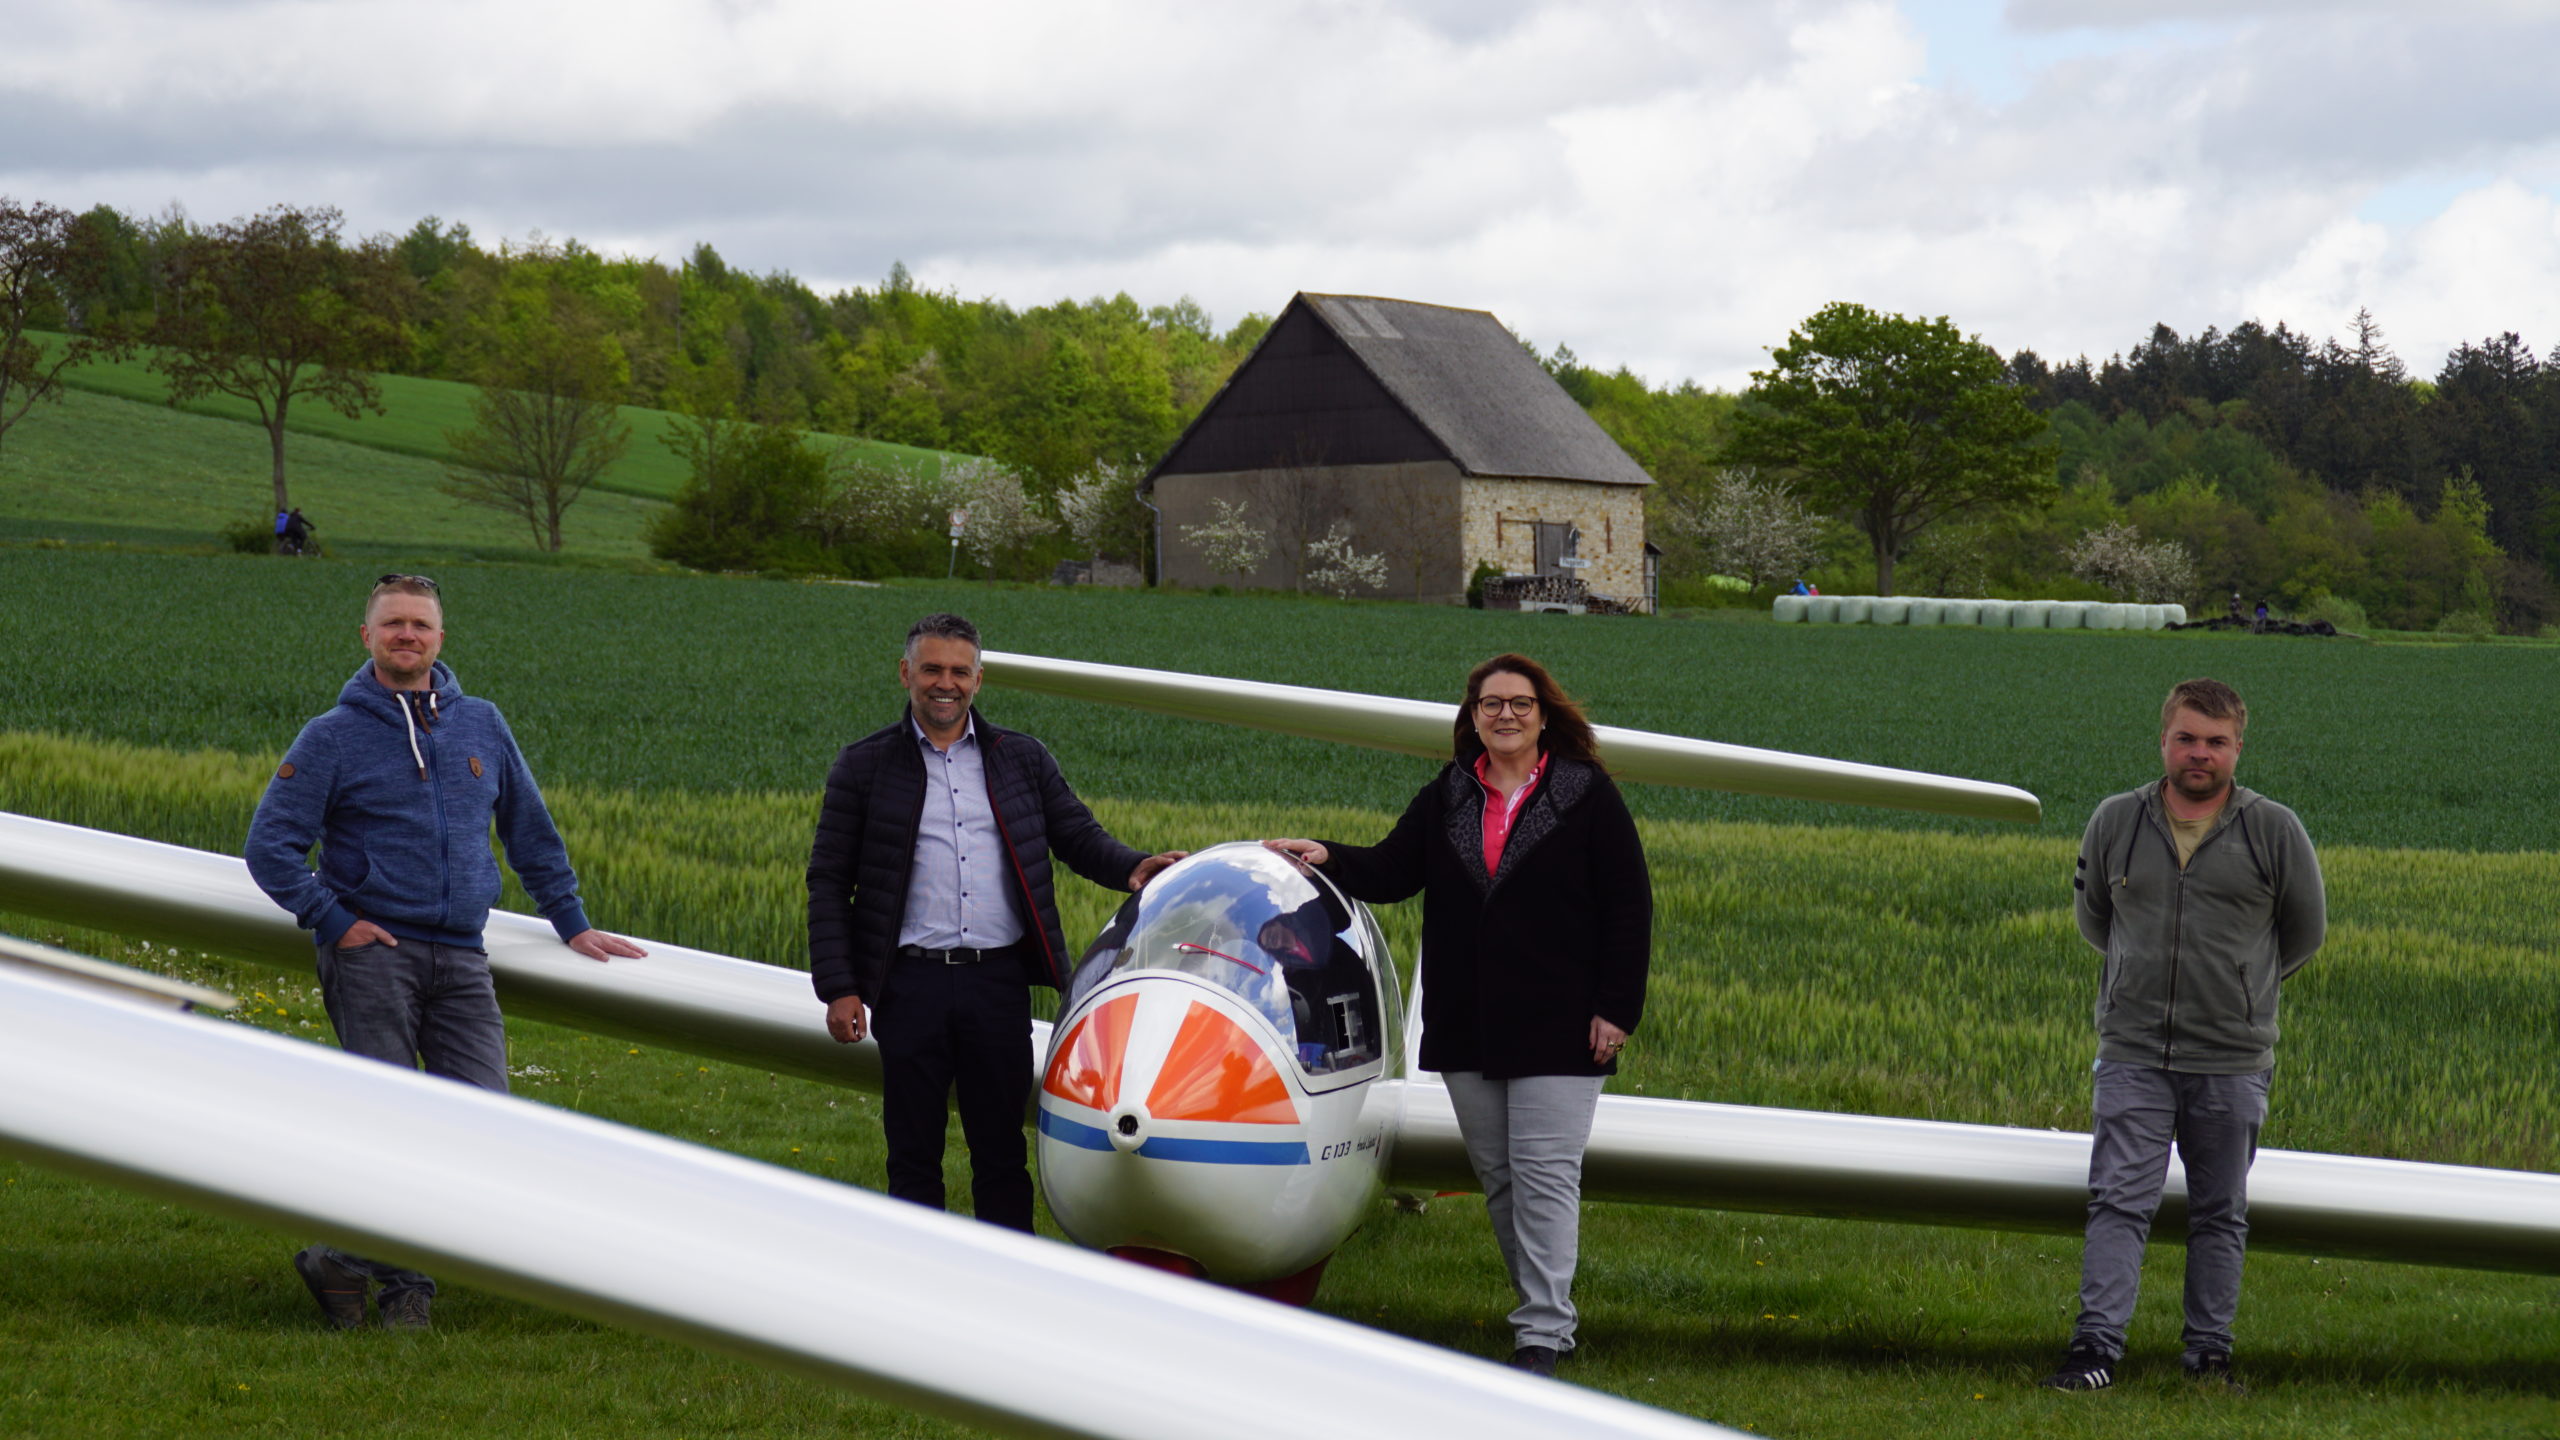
2304, 472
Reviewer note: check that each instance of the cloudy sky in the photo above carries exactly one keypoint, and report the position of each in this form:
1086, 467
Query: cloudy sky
1666, 186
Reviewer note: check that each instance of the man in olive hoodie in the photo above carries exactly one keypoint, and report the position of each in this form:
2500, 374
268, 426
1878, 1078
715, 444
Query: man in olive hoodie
2202, 896
399, 785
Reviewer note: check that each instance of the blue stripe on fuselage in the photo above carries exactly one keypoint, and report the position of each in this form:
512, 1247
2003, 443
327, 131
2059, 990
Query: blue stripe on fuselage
1170, 1147
1225, 1152
1076, 1133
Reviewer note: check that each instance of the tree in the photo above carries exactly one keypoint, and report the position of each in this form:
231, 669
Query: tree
276, 307
1897, 422
1336, 568
47, 258
546, 426
1751, 528
1002, 518
1230, 543
1102, 513
2150, 572
748, 502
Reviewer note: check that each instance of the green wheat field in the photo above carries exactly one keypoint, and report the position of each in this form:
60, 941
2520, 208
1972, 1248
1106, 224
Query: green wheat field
1808, 957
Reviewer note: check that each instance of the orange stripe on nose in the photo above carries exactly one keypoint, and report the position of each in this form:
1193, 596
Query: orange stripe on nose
1216, 1072
1087, 1067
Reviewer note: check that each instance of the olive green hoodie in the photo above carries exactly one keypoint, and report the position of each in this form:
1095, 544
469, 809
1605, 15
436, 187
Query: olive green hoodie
2194, 956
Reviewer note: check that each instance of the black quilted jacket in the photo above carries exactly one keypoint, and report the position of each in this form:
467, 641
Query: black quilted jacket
866, 846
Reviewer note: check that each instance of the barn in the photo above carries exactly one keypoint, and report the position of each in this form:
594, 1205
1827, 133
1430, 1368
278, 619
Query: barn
1430, 432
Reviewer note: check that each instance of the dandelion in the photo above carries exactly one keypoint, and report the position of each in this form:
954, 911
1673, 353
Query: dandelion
631, 1052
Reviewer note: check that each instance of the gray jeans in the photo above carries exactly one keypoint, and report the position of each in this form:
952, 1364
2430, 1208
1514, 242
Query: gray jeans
2138, 1113
1525, 1139
406, 1004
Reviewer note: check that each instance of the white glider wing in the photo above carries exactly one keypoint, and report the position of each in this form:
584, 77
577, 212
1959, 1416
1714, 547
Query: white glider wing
1421, 727
1022, 1336
1928, 1172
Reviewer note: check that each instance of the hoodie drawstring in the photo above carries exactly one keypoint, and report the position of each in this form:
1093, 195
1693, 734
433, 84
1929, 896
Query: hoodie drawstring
411, 726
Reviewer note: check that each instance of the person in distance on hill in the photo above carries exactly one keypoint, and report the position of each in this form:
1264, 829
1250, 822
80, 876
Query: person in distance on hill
1537, 933
931, 914
2203, 896
398, 785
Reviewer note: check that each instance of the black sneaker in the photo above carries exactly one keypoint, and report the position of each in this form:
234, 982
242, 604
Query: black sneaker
405, 1311
1536, 1359
2084, 1367
2213, 1368
339, 1290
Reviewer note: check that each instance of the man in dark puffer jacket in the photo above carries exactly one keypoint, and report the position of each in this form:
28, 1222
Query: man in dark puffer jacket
930, 898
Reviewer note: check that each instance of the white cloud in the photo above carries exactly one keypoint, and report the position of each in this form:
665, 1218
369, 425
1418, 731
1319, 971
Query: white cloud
1664, 185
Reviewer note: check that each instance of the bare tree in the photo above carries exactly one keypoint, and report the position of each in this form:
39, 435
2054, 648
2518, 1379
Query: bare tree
1417, 525
1303, 497
546, 426
1753, 529
47, 257
276, 307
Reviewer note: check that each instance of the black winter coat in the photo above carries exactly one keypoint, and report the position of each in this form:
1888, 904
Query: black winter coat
1516, 963
865, 851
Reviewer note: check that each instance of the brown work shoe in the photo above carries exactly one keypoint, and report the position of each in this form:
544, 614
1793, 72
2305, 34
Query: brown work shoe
405, 1311
339, 1290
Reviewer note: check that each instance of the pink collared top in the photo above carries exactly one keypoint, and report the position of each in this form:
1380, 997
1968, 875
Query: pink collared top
1500, 812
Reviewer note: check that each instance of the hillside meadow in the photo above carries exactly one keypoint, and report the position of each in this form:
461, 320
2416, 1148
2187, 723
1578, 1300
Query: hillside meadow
1835, 959
418, 412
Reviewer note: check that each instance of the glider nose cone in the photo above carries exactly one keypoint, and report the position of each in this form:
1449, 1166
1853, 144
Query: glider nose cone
1128, 1128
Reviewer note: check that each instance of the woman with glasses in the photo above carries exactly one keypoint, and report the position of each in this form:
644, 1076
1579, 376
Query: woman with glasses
1537, 928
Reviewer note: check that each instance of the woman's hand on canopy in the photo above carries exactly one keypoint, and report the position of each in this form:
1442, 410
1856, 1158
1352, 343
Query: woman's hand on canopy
1307, 853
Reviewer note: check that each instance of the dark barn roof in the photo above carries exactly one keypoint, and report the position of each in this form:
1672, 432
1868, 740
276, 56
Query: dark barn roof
1352, 380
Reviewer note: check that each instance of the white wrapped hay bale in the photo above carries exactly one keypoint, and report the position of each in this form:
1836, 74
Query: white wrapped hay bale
2067, 615
1789, 609
1959, 612
2104, 615
2029, 614
2176, 615
1995, 614
1888, 610
1822, 609
1853, 609
1925, 611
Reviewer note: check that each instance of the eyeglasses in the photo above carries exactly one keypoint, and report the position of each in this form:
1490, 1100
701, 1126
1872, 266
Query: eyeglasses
1492, 706
409, 579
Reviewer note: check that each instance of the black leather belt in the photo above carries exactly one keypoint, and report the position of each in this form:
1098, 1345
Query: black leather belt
954, 956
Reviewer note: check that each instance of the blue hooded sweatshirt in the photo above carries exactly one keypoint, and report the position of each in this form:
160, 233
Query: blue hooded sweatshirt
398, 788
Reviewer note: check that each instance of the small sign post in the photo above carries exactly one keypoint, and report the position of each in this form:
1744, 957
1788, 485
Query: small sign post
959, 522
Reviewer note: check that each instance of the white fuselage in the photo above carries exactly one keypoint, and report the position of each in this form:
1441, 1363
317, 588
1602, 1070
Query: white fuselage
1194, 1112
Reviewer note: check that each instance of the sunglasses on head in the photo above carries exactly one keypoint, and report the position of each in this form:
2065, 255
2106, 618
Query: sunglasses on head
411, 579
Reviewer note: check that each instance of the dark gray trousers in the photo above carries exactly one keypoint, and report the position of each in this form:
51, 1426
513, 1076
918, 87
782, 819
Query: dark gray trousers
2138, 1112
409, 1004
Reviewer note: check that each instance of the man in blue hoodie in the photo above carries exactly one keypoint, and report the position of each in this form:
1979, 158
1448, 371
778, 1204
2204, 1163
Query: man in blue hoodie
398, 785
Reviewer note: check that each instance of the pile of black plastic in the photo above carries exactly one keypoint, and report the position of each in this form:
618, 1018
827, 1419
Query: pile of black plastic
2259, 627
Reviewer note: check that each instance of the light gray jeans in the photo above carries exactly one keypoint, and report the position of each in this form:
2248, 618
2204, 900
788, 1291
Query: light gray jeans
2214, 1120
1525, 1138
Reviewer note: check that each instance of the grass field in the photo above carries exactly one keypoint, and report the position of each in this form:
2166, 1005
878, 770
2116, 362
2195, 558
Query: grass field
1786, 976
417, 413
99, 470
1827, 959
627, 680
